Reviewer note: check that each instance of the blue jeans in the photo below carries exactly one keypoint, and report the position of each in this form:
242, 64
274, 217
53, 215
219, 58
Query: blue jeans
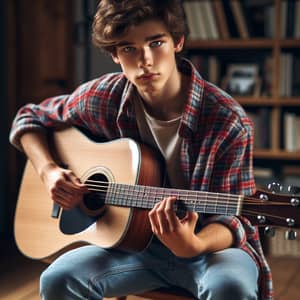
92, 273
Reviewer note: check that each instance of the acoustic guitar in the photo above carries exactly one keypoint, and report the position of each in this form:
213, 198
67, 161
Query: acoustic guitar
124, 181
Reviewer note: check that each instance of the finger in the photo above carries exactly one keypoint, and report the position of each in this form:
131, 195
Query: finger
62, 203
173, 220
191, 217
70, 195
60, 195
75, 181
153, 219
162, 220
71, 191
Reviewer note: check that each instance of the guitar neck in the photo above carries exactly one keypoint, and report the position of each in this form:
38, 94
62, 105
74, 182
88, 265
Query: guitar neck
140, 196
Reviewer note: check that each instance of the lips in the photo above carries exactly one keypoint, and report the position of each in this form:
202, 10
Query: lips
148, 76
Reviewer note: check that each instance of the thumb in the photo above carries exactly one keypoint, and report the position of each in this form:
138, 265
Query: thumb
75, 180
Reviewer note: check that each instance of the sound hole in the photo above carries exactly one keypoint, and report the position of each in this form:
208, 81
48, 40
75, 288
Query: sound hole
97, 185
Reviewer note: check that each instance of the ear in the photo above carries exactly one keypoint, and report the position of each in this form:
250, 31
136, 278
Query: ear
115, 58
179, 45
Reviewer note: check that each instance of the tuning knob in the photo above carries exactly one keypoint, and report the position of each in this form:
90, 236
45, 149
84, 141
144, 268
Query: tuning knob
290, 222
261, 219
295, 202
290, 234
294, 189
275, 187
269, 231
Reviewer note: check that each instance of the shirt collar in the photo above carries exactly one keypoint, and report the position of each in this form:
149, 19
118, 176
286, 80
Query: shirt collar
193, 104
190, 118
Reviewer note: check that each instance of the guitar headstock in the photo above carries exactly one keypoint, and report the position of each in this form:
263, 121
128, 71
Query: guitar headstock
272, 208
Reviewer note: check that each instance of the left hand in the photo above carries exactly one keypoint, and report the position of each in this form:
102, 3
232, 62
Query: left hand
176, 234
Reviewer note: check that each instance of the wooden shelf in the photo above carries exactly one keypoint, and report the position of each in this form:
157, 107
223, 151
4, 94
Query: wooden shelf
276, 104
290, 43
231, 43
268, 101
242, 43
276, 154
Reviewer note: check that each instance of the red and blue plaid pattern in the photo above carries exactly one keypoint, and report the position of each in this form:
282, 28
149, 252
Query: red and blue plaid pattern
216, 153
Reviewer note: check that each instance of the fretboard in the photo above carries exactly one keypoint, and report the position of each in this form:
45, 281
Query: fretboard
140, 196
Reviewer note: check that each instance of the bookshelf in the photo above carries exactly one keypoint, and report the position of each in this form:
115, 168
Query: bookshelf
276, 108
280, 39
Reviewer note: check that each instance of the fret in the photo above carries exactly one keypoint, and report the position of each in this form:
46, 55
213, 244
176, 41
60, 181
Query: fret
140, 193
143, 203
134, 196
115, 193
227, 204
156, 197
147, 196
192, 202
205, 204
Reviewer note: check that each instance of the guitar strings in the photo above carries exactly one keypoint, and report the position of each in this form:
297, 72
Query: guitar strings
102, 186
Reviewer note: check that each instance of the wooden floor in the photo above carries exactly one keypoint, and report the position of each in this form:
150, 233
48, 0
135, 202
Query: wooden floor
19, 277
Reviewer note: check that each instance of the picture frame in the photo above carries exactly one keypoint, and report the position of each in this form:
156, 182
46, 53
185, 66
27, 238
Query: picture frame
242, 80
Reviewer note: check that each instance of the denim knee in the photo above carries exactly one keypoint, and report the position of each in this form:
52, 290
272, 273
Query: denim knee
227, 287
52, 284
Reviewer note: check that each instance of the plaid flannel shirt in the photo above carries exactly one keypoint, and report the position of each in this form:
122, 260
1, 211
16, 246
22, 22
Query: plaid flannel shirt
216, 152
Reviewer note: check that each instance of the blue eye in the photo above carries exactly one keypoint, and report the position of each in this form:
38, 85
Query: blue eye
156, 44
128, 49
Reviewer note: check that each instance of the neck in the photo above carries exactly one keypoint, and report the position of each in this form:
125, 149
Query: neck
169, 103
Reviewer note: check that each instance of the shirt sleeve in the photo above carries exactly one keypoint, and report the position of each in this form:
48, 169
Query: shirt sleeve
233, 174
85, 108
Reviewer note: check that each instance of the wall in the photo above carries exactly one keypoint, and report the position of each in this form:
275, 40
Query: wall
3, 126
90, 62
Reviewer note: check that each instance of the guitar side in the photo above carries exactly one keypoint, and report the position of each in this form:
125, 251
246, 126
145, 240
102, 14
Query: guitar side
38, 235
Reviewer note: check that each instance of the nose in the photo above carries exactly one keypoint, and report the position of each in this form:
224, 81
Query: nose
146, 58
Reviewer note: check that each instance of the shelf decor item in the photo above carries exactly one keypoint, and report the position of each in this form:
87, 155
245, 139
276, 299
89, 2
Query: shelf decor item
242, 80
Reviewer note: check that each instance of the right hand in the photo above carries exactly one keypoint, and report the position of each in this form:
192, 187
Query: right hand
63, 186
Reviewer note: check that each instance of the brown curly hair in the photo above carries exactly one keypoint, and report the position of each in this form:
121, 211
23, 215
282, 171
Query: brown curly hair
113, 18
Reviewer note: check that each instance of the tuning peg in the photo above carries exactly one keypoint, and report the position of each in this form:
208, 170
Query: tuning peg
295, 202
290, 235
261, 219
275, 187
269, 231
294, 190
290, 222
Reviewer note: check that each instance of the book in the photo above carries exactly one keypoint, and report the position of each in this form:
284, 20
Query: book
232, 26
290, 21
269, 21
290, 131
260, 17
296, 76
261, 119
297, 20
201, 26
283, 19
188, 10
203, 14
221, 19
210, 18
239, 17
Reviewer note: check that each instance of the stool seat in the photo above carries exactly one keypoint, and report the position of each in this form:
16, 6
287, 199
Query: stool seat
172, 293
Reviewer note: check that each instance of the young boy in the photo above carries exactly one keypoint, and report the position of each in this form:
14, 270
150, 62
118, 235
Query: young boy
205, 138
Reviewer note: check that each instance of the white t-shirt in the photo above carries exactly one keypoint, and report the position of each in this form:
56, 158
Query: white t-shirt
162, 135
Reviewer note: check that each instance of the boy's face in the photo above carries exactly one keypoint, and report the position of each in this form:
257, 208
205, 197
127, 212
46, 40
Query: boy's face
147, 57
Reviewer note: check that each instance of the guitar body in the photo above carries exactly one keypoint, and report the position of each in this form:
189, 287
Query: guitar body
39, 235
124, 182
